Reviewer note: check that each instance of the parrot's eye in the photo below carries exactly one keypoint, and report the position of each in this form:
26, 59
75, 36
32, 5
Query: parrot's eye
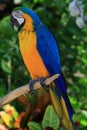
17, 18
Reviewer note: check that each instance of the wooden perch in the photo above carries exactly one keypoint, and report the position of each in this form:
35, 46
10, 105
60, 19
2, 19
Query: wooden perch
23, 90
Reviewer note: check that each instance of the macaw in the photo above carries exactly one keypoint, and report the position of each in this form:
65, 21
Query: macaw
41, 56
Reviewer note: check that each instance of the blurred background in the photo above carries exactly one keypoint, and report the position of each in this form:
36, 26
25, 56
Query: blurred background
72, 42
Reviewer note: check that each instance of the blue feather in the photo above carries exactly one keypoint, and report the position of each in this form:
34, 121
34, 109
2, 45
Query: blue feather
49, 52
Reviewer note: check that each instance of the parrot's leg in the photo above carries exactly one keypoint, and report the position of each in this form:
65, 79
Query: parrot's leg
41, 80
32, 82
31, 86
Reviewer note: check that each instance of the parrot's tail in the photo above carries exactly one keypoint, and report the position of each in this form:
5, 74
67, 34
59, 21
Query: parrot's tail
61, 88
61, 94
61, 109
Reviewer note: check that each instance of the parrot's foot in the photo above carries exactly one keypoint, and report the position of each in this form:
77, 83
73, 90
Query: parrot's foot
41, 80
31, 86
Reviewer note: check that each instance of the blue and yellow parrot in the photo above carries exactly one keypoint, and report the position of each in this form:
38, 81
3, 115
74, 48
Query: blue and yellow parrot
41, 56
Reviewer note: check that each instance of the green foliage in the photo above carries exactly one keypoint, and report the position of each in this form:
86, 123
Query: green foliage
50, 119
10, 59
34, 126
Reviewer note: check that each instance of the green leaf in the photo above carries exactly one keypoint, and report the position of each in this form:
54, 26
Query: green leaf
6, 66
34, 126
36, 1
84, 112
16, 28
17, 1
83, 122
50, 118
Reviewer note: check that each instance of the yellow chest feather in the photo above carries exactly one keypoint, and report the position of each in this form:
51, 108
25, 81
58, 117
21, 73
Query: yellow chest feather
31, 56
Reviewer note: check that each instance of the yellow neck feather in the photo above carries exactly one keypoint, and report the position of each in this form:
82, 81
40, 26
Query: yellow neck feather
27, 36
28, 26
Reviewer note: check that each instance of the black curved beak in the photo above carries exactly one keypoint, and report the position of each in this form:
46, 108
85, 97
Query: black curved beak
14, 22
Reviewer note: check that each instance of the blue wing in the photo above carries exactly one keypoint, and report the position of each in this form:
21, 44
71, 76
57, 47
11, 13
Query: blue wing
49, 52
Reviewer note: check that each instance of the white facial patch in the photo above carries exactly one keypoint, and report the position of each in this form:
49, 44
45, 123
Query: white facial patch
18, 15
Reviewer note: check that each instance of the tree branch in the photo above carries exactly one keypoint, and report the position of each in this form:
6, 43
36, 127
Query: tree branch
23, 90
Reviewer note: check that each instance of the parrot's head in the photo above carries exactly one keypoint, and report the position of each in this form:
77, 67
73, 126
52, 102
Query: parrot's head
21, 15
